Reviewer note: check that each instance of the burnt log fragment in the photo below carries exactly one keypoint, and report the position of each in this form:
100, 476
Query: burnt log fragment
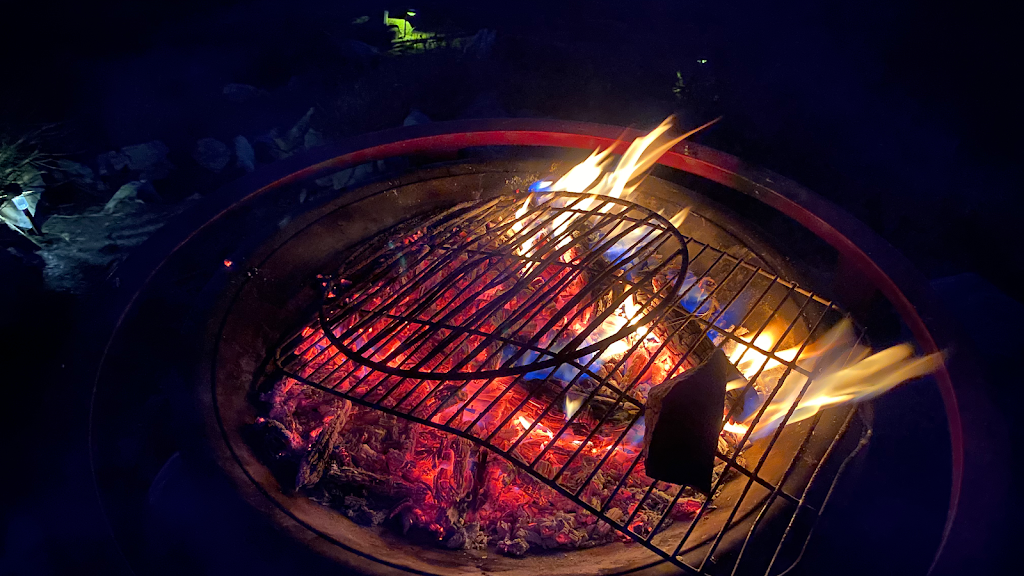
276, 437
683, 420
359, 511
346, 480
318, 457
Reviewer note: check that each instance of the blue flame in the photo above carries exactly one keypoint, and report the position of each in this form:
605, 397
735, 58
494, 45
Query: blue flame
696, 299
624, 256
540, 186
752, 400
564, 372
635, 436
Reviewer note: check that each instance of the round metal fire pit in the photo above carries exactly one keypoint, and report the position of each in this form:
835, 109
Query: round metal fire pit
243, 297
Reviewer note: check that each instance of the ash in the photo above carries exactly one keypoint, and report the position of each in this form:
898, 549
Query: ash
438, 488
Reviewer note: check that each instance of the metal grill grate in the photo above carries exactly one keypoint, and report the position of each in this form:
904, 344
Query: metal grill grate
458, 323
467, 295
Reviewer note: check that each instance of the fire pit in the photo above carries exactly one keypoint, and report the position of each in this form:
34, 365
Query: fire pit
446, 371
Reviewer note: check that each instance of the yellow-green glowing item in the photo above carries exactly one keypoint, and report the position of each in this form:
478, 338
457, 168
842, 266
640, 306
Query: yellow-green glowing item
403, 29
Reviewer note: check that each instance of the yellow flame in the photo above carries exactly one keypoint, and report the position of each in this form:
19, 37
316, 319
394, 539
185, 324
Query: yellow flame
848, 372
750, 359
518, 226
591, 176
539, 429
582, 176
677, 220
572, 405
627, 314
735, 384
735, 428
616, 348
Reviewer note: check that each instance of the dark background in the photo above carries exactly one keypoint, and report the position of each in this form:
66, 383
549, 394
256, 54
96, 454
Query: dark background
907, 114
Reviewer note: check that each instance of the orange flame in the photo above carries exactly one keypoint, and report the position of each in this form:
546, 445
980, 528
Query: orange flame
846, 372
735, 428
591, 176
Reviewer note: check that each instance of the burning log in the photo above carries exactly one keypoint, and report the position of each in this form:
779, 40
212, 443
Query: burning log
515, 547
481, 471
277, 439
344, 480
317, 458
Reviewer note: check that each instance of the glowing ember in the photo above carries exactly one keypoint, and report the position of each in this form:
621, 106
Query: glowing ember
734, 428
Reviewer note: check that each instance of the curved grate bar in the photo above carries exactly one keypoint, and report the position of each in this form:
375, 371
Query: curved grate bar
517, 288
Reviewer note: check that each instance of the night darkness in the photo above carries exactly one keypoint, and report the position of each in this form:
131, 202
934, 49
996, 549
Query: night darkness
905, 114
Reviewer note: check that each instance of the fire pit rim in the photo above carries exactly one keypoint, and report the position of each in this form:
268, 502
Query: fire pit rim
860, 247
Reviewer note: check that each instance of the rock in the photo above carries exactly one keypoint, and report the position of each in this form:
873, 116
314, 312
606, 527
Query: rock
149, 159
486, 105
337, 181
347, 177
240, 93
295, 84
415, 118
296, 135
312, 139
130, 191
245, 154
79, 174
110, 162
266, 149
357, 54
212, 154
81, 249
481, 44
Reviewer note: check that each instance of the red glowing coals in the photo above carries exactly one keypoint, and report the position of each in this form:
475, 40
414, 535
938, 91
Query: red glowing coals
468, 462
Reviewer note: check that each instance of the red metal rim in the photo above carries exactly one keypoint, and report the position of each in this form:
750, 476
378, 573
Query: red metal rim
879, 263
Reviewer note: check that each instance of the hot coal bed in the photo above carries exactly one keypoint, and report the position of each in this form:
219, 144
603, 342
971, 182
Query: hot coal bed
452, 370
474, 428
